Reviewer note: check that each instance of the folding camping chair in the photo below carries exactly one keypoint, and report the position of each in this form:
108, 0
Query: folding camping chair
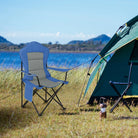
132, 61
35, 76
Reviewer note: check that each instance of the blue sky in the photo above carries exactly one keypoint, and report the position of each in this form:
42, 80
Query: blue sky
46, 21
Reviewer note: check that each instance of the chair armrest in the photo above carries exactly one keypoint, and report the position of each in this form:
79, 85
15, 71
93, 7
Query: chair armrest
58, 69
61, 70
120, 83
31, 75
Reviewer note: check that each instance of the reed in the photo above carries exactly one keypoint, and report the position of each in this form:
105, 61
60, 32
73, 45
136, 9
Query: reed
75, 121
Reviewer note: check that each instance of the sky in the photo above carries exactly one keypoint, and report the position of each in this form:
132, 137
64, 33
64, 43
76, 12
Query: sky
46, 21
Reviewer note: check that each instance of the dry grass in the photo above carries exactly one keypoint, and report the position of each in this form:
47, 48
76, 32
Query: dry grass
73, 122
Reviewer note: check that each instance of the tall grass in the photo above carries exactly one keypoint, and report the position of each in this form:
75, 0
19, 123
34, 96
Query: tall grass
75, 121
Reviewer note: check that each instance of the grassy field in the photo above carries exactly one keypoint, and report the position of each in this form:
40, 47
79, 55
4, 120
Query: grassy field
73, 122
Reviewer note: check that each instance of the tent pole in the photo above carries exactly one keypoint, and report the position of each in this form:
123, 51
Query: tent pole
88, 74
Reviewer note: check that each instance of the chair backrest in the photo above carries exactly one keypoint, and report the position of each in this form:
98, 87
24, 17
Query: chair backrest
34, 58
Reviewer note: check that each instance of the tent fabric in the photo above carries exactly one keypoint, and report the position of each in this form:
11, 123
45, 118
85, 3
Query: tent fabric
121, 45
117, 69
132, 35
101, 65
116, 38
134, 55
93, 75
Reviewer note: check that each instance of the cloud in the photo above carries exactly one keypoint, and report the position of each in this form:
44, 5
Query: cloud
109, 35
23, 37
10, 35
58, 34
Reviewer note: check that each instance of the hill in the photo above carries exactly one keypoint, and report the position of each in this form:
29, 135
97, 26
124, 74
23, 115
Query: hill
102, 39
4, 41
93, 44
74, 42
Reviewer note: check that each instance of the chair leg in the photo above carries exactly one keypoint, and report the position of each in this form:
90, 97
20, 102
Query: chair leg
46, 95
22, 99
55, 92
36, 109
51, 97
21, 85
127, 106
115, 105
46, 106
23, 104
41, 97
48, 100
59, 102
121, 96
21, 96
40, 113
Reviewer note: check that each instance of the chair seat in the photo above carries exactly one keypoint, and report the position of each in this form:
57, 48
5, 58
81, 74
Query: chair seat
48, 82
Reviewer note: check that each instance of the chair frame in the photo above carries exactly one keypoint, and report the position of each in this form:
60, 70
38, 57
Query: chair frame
128, 85
49, 97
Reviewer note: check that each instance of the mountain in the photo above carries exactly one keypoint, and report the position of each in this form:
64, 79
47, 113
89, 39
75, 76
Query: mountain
103, 39
4, 41
73, 42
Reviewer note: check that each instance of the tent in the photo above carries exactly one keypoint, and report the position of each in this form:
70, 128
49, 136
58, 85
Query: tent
114, 63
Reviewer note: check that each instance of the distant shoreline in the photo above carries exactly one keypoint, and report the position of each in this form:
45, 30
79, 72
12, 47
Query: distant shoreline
74, 51
52, 51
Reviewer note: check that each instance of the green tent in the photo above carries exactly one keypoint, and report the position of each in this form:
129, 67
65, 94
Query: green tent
115, 61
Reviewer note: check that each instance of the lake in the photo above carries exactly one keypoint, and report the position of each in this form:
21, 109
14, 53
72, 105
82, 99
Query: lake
68, 60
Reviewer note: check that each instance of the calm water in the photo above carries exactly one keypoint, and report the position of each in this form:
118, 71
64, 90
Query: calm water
68, 60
